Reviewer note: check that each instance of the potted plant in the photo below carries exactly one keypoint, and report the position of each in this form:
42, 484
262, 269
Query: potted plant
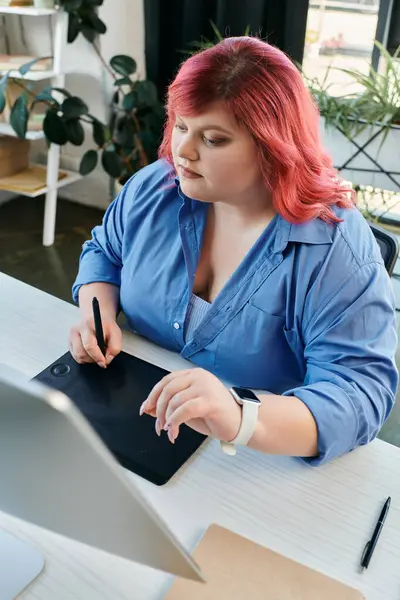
362, 130
129, 140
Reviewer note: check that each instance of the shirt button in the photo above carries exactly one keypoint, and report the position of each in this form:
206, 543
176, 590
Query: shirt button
176, 325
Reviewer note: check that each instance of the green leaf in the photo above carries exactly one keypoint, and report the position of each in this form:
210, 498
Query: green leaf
146, 94
88, 32
3, 86
74, 27
73, 107
99, 133
44, 96
62, 91
123, 81
19, 117
129, 101
96, 23
112, 163
71, 5
54, 128
75, 132
123, 64
27, 66
148, 140
88, 162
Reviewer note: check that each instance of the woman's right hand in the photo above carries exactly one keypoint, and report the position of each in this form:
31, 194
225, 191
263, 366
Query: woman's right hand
83, 343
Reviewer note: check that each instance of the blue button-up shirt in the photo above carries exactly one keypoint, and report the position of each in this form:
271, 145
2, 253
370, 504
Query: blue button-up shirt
308, 313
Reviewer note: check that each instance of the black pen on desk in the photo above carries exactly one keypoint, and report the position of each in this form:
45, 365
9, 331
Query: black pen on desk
370, 546
98, 326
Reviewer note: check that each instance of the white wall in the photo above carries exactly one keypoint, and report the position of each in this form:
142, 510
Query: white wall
125, 35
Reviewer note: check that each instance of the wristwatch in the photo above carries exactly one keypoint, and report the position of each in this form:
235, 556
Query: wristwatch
250, 405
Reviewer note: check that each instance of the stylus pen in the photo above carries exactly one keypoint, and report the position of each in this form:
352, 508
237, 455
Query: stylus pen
370, 547
98, 326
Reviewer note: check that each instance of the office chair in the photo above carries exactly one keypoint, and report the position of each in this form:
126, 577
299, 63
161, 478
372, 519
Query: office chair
388, 245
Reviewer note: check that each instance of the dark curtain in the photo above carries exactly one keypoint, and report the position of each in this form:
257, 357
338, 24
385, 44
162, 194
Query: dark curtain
394, 29
171, 25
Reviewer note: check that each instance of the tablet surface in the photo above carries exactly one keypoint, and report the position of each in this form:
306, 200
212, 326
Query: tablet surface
110, 400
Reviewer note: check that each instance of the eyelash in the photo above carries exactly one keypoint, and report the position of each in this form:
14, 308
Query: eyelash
207, 140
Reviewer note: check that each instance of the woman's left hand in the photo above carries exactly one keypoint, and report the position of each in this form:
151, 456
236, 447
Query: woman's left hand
195, 397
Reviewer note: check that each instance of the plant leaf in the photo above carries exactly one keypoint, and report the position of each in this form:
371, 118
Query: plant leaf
96, 23
44, 96
88, 162
129, 101
27, 66
75, 132
74, 27
123, 64
54, 128
71, 5
145, 94
99, 133
74, 107
112, 163
88, 32
62, 91
3, 86
217, 32
123, 81
19, 117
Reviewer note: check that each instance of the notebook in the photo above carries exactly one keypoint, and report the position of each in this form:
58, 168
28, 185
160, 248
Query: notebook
236, 568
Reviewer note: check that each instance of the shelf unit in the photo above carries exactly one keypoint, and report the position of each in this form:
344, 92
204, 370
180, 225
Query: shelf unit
6, 129
71, 177
56, 77
29, 11
31, 75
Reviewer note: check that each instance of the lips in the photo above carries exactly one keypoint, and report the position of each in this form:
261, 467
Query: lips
188, 173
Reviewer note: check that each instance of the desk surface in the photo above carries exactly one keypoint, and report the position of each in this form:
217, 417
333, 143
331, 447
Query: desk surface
319, 516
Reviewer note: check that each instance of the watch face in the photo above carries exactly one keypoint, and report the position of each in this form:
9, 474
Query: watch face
245, 394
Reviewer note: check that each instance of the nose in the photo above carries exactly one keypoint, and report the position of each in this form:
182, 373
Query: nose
187, 149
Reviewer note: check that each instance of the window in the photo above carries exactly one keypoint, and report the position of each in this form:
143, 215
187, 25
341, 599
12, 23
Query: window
340, 34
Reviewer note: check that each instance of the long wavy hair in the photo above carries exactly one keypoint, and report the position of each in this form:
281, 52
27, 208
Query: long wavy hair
266, 94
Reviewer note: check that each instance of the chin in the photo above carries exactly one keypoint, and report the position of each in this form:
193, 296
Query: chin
192, 189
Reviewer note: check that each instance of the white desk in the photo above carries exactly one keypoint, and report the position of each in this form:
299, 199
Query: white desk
321, 517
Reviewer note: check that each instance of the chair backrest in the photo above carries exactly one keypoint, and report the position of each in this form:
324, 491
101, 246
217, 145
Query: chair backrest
388, 245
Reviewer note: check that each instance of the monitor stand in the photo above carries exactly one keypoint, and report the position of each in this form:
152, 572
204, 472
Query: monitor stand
19, 566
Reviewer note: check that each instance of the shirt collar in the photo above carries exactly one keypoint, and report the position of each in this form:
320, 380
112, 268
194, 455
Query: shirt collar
315, 231
311, 232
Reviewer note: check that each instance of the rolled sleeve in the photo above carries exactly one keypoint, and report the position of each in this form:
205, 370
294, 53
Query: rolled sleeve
101, 257
351, 377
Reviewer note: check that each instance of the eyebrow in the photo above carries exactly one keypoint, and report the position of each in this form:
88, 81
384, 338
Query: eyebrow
218, 127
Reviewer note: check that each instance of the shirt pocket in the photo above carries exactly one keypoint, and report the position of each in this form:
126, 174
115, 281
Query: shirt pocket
254, 350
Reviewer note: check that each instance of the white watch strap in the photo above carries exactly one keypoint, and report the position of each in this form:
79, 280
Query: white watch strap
246, 430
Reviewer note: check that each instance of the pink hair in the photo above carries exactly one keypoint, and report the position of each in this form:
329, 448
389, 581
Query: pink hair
265, 92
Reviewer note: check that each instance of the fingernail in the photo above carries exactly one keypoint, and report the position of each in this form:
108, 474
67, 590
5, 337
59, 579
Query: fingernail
166, 426
102, 365
171, 437
158, 431
110, 358
141, 409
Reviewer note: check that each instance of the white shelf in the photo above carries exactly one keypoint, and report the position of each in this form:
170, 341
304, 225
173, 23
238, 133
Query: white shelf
70, 178
6, 129
31, 75
29, 11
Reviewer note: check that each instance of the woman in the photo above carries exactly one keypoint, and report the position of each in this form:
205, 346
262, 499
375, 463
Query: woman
241, 250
